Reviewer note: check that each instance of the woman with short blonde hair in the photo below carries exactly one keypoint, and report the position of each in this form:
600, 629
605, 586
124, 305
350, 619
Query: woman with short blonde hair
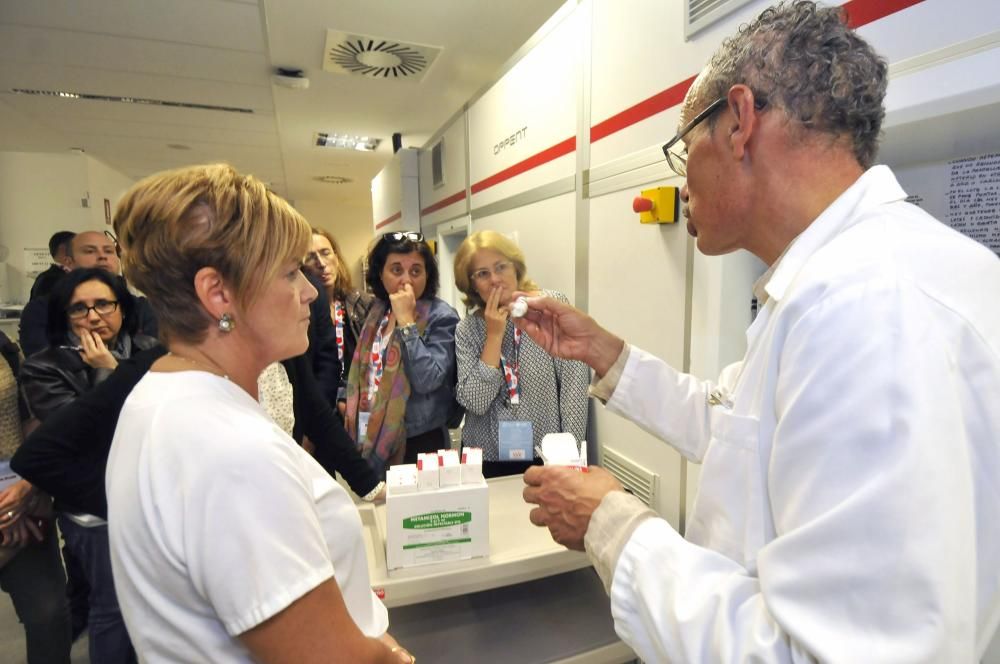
507, 384
229, 542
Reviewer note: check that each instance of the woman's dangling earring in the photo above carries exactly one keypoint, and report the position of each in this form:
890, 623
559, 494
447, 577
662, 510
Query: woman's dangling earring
226, 323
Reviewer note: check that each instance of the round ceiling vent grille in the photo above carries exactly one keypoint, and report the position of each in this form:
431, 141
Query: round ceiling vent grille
332, 179
378, 60
376, 57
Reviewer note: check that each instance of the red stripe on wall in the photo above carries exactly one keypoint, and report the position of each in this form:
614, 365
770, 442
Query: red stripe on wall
863, 12
389, 220
444, 202
859, 13
658, 103
543, 157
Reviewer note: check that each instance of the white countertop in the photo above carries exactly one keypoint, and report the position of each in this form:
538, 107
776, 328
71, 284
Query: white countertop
519, 552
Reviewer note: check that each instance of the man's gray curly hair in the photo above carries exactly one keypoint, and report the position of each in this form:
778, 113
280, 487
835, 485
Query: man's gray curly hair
803, 58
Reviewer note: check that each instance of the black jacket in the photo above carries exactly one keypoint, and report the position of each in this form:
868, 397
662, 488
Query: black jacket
322, 351
54, 377
67, 455
46, 281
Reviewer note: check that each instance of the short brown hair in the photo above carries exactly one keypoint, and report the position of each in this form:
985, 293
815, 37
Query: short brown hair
172, 224
344, 283
499, 243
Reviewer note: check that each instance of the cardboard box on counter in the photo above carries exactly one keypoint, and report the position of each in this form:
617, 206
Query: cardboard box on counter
425, 527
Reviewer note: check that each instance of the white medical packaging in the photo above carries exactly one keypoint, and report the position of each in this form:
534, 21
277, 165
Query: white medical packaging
444, 525
560, 449
472, 465
428, 477
450, 470
401, 479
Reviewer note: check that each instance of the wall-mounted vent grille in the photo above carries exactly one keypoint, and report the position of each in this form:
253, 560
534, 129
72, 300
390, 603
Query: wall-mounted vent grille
640, 482
62, 94
699, 14
376, 57
437, 164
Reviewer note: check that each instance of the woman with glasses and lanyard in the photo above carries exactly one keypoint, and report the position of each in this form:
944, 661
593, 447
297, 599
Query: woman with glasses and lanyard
91, 326
513, 391
401, 386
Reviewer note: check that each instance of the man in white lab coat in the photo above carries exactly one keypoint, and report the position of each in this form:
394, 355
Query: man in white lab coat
849, 505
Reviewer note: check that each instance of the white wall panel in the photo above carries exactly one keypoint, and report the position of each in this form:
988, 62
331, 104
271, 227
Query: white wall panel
544, 231
930, 25
39, 195
637, 290
453, 166
396, 194
637, 51
531, 109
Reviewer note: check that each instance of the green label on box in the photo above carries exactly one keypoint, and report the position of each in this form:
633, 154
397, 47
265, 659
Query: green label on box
437, 520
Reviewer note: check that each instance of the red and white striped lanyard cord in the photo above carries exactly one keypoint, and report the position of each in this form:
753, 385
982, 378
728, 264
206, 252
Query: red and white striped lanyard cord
379, 346
338, 320
512, 372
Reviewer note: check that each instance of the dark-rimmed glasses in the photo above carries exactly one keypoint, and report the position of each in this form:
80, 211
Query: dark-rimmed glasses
677, 161
111, 236
398, 236
81, 310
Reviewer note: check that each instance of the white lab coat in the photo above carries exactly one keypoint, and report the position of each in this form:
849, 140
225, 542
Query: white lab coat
849, 506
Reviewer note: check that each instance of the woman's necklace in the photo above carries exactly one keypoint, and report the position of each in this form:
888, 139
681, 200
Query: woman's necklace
204, 365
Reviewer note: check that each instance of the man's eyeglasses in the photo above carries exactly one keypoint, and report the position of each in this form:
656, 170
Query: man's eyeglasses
323, 256
399, 236
81, 310
111, 236
500, 269
677, 160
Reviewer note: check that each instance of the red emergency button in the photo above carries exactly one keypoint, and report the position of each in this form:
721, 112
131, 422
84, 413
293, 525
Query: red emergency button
640, 204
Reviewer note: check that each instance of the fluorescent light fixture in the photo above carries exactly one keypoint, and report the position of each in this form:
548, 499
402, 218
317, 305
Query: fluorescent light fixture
65, 94
346, 142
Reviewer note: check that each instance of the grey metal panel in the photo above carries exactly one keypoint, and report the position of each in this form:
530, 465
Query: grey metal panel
581, 288
652, 173
630, 162
551, 190
545, 620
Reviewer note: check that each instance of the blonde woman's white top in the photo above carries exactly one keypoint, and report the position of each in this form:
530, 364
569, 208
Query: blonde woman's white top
219, 521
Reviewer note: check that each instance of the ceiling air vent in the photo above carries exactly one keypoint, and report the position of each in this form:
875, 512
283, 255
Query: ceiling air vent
376, 57
699, 14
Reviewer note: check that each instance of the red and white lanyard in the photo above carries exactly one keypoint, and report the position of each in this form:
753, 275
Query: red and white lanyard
338, 319
379, 347
512, 372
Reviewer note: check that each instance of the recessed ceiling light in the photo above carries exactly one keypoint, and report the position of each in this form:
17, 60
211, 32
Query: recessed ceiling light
63, 94
332, 179
347, 142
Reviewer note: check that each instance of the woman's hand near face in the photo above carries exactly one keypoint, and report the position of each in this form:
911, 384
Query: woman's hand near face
496, 315
95, 353
404, 305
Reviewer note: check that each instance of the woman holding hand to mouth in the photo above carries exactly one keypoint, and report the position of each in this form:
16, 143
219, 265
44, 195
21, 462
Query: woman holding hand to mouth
401, 385
513, 391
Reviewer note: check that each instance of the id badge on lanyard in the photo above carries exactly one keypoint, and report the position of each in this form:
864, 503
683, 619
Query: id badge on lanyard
516, 437
363, 418
516, 440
